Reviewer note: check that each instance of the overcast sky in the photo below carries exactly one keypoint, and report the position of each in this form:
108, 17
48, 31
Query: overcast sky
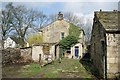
85, 9
82, 8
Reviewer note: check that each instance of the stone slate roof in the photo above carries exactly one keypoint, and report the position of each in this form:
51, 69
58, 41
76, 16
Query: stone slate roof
109, 20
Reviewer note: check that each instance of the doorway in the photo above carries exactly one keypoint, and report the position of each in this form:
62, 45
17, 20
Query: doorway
76, 52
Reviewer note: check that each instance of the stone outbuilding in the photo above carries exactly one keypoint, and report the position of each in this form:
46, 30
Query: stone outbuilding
105, 43
10, 43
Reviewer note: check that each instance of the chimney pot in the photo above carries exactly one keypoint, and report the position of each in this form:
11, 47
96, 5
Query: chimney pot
60, 16
113, 10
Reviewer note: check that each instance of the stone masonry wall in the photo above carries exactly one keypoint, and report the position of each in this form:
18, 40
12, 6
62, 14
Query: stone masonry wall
112, 54
38, 54
10, 56
97, 48
52, 33
26, 53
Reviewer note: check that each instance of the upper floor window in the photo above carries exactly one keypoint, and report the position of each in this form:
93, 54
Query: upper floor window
62, 35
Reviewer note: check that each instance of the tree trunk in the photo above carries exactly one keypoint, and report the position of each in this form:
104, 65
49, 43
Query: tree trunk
22, 42
2, 42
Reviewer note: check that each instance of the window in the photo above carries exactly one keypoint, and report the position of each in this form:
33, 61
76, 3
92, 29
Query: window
62, 35
68, 51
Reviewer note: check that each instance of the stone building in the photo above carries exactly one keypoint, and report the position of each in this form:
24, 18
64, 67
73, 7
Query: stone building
58, 30
10, 43
50, 50
105, 43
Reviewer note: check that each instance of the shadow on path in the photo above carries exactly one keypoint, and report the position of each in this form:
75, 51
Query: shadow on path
88, 65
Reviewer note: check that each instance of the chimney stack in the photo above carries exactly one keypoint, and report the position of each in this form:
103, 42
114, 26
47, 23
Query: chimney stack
60, 16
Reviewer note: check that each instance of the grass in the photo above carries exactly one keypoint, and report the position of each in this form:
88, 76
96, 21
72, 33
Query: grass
68, 68
64, 69
53, 74
21, 70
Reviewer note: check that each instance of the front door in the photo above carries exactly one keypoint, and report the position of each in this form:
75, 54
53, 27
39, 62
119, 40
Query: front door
39, 58
76, 51
55, 52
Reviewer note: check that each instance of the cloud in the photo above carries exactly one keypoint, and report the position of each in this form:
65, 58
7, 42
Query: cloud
59, 0
79, 10
73, 7
89, 17
33, 4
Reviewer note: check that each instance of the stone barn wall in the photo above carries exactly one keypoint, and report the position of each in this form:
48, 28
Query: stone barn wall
26, 53
39, 53
112, 54
10, 56
97, 53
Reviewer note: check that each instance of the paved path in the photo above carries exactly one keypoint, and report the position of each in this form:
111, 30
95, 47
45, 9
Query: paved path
68, 68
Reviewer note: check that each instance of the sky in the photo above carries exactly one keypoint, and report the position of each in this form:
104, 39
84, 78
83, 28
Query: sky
81, 8
84, 9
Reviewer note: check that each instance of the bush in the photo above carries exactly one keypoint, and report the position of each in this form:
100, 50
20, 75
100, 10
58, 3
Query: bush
35, 39
68, 42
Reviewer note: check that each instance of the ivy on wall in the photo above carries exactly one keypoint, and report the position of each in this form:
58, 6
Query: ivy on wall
74, 31
71, 39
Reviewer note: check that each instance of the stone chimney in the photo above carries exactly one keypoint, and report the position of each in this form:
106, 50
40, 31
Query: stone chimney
100, 10
60, 16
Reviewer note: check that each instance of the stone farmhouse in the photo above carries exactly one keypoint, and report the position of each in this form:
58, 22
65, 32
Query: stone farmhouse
105, 43
58, 30
52, 34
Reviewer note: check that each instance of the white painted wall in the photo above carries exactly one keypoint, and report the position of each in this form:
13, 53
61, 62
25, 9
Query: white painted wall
73, 51
36, 50
9, 43
52, 51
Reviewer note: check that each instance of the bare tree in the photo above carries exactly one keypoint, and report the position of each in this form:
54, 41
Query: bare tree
6, 27
87, 29
22, 19
53, 17
72, 18
42, 19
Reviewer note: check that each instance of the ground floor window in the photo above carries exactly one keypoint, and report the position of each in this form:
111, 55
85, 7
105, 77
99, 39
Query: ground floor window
68, 51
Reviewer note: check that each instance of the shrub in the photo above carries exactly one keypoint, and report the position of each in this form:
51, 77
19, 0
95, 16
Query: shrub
68, 42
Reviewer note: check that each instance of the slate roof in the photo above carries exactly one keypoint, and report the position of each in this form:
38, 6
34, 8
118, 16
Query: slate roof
109, 20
